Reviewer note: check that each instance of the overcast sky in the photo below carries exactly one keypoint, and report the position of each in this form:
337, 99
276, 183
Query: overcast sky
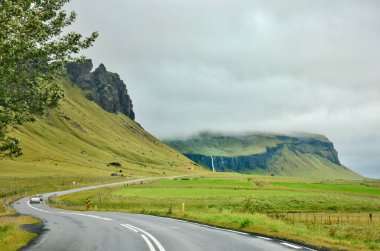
244, 65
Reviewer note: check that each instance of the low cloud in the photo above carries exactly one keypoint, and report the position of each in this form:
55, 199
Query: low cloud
247, 66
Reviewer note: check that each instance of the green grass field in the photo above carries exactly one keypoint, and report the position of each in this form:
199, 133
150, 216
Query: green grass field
323, 213
353, 188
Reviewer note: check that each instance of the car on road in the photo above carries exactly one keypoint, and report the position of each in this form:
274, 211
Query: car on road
41, 197
35, 199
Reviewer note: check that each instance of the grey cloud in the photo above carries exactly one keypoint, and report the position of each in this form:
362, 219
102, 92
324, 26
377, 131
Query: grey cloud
244, 65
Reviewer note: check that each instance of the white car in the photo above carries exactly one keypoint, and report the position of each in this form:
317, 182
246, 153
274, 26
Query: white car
34, 199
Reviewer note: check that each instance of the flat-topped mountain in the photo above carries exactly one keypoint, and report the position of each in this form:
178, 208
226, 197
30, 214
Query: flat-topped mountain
304, 155
104, 87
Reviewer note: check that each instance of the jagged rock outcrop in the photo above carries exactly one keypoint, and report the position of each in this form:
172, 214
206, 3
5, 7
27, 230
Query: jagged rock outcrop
103, 87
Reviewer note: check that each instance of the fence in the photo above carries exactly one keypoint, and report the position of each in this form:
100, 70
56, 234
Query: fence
330, 218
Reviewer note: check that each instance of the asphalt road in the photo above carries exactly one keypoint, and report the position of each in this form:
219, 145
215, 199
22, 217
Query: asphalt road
107, 231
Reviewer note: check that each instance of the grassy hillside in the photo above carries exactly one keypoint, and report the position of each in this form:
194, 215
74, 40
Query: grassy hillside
303, 155
73, 146
307, 165
76, 142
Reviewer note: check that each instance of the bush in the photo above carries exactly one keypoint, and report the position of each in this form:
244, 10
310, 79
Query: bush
245, 223
114, 164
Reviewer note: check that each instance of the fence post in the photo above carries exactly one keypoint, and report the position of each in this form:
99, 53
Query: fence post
6, 205
370, 217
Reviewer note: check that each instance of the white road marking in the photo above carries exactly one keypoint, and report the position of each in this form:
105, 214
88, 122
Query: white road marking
264, 238
181, 220
233, 231
222, 229
37, 208
160, 247
131, 228
98, 217
290, 245
88, 215
150, 245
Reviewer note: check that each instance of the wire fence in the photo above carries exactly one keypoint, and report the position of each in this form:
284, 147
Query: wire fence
330, 218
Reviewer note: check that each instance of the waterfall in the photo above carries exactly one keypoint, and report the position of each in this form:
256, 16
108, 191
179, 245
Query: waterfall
212, 164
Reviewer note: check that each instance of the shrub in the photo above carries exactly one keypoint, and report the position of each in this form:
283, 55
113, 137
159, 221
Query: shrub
114, 164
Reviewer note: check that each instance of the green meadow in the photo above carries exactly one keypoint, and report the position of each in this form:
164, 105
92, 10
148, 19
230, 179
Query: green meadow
332, 214
352, 188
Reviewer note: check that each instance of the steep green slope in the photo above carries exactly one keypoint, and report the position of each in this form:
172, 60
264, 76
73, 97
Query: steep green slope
80, 138
302, 155
295, 163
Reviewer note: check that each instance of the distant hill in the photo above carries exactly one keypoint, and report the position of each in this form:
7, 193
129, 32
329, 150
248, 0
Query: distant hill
302, 155
80, 138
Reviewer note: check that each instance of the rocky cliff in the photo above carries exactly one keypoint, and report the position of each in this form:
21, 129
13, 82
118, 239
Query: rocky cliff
264, 160
103, 87
303, 155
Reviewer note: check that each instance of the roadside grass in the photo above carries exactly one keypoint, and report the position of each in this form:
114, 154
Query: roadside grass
333, 219
12, 237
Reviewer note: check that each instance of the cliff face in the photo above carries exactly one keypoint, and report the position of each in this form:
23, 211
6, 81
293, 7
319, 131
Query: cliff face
264, 160
103, 87
306, 155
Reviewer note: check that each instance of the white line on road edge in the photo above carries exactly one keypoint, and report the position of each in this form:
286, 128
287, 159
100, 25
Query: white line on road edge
222, 229
88, 215
233, 231
264, 238
290, 245
150, 245
160, 247
36, 208
131, 228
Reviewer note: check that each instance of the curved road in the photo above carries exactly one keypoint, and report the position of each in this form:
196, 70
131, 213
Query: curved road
77, 231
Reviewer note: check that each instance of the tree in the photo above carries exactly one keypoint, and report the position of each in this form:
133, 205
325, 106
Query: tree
34, 48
